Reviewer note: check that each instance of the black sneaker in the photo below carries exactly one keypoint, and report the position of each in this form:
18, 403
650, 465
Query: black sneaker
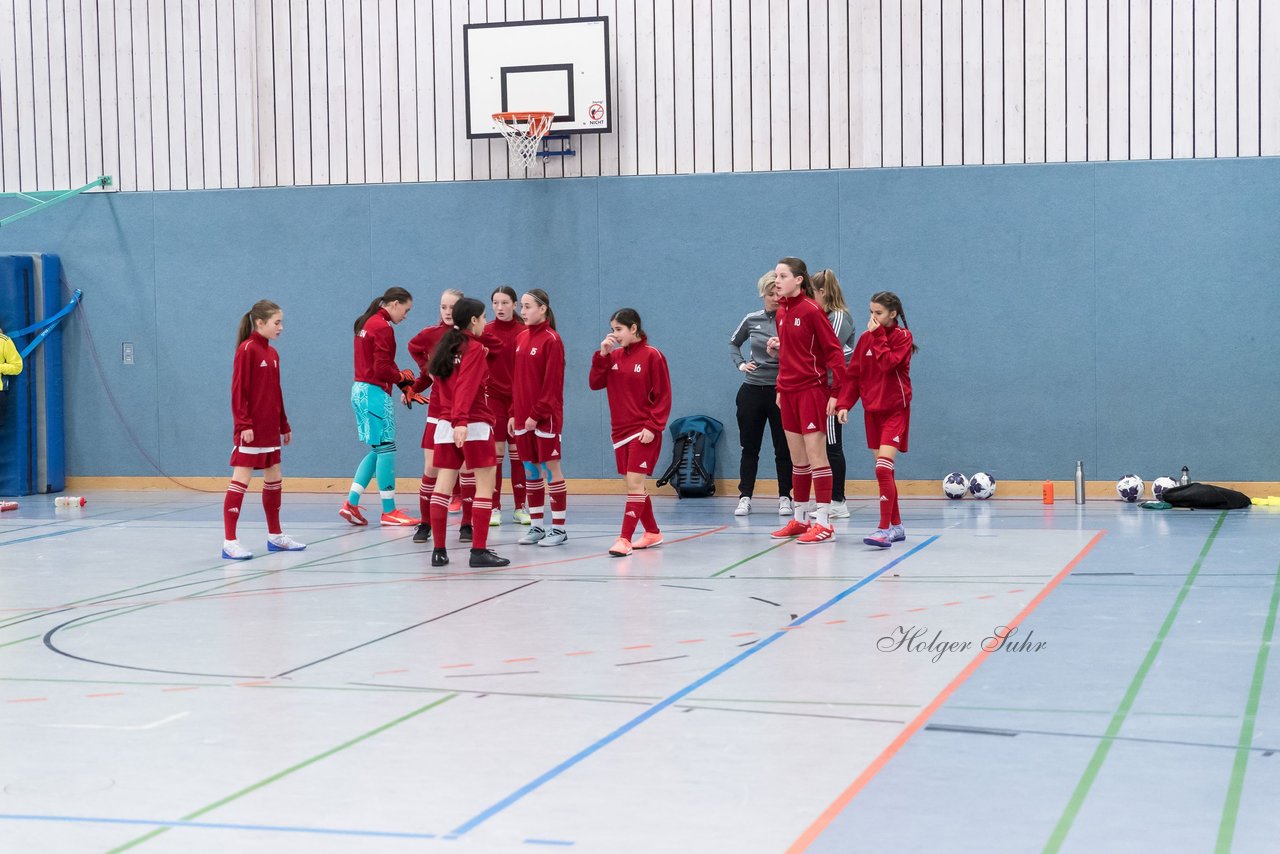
464, 533
439, 557
486, 558
423, 534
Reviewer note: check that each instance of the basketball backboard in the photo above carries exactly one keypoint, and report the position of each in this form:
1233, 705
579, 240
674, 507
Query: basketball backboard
560, 65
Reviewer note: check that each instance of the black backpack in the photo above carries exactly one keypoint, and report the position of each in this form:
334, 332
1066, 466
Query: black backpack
1206, 496
693, 456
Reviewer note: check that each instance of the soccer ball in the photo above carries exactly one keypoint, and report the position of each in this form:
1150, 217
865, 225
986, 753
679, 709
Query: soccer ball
955, 485
982, 485
1129, 488
1160, 484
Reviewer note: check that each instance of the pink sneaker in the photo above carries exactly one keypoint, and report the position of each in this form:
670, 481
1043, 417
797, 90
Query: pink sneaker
621, 548
817, 534
793, 528
398, 519
351, 512
649, 540
880, 538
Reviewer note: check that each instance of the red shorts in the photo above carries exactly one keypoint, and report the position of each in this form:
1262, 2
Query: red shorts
887, 428
535, 447
472, 455
633, 456
264, 460
804, 411
501, 410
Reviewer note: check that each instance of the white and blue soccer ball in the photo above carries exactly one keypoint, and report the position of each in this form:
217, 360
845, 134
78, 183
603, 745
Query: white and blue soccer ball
982, 485
1129, 488
1160, 484
955, 485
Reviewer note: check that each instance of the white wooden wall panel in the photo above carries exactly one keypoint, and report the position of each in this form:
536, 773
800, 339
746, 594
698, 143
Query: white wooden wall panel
178, 94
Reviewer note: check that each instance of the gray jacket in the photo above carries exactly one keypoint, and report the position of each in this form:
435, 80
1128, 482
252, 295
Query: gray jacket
758, 327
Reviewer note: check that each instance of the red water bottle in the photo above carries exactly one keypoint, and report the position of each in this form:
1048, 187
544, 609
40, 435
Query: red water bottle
1046, 492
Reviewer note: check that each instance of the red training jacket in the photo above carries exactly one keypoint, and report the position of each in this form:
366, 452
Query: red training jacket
809, 346
257, 403
502, 362
376, 352
639, 387
880, 371
459, 398
420, 347
537, 382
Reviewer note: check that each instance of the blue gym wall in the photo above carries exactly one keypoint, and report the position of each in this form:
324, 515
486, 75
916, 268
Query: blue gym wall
1123, 313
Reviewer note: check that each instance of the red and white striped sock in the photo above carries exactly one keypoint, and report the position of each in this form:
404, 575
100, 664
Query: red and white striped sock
559, 495
231, 508
535, 492
439, 518
271, 493
425, 488
468, 482
517, 476
480, 510
632, 513
888, 490
801, 478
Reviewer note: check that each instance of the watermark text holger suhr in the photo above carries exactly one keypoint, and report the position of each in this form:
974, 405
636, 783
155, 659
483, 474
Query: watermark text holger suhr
917, 639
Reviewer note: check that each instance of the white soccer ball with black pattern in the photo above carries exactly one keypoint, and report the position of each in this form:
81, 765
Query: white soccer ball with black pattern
982, 485
1130, 488
1160, 484
955, 485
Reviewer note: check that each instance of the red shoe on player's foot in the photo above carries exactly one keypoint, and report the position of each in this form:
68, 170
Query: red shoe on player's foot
351, 512
648, 540
817, 534
794, 528
399, 519
455, 506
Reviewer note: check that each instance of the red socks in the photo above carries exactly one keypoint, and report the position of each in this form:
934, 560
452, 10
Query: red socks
231, 508
535, 492
481, 508
647, 519
888, 492
801, 477
439, 518
517, 477
425, 489
632, 514
822, 484
271, 505
559, 502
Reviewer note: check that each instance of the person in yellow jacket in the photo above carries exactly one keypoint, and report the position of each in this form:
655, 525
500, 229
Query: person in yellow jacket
10, 360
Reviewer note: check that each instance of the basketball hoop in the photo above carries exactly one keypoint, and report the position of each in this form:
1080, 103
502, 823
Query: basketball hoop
523, 131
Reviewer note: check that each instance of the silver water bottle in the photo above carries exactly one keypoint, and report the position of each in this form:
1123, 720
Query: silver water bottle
1186, 477
1079, 481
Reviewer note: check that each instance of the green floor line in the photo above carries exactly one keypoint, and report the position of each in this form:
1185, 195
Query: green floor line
1081, 792
1231, 809
286, 772
749, 558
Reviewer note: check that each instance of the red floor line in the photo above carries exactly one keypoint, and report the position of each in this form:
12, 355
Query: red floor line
828, 815
109, 694
29, 700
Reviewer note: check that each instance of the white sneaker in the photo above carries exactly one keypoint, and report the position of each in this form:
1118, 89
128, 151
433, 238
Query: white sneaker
554, 537
283, 543
495, 518
522, 517
839, 510
232, 550
531, 536
744, 506
785, 507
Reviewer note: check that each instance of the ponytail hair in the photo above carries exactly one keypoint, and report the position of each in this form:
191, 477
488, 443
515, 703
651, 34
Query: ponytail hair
262, 310
797, 268
629, 317
393, 294
891, 302
541, 298
464, 311
832, 295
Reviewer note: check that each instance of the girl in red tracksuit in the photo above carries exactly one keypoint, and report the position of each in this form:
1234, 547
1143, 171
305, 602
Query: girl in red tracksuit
880, 373
537, 415
635, 373
420, 347
506, 327
464, 429
807, 349
261, 428
375, 374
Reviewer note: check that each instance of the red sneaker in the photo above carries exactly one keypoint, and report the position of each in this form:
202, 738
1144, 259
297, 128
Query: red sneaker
649, 540
455, 506
817, 534
351, 512
8, 505
621, 548
398, 519
791, 529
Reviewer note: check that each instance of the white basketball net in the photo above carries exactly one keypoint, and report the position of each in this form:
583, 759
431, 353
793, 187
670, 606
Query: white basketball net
524, 133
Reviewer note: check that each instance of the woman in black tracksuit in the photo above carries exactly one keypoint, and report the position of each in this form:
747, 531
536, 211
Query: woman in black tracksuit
757, 401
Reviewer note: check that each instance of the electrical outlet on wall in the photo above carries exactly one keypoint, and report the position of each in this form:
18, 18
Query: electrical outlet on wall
126, 352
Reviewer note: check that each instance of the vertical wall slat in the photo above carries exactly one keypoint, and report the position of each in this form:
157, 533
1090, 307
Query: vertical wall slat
407, 89
41, 94
371, 91
587, 160
87, 12
818, 103
336, 63
318, 79
727, 88
953, 77
554, 167
159, 105
1269, 83
683, 138
665, 86
138, 39
1077, 80
1247, 94
59, 97
1203, 74
1163, 67
626, 107
1184, 99
1118, 80
779, 84
301, 46
971, 60
171, 19
246, 50
912, 83
1097, 71
854, 61
1138, 108
424, 106
353, 64
122, 103
1033, 26
992, 81
838, 55
272, 52
931, 74
192, 96
891, 81
646, 89
704, 109
1226, 120
1014, 83
10, 142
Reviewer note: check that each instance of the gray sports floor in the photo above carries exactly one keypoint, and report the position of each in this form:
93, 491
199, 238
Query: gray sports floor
723, 693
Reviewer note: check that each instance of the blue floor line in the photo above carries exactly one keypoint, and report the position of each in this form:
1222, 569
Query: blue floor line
586, 752
208, 825
43, 536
